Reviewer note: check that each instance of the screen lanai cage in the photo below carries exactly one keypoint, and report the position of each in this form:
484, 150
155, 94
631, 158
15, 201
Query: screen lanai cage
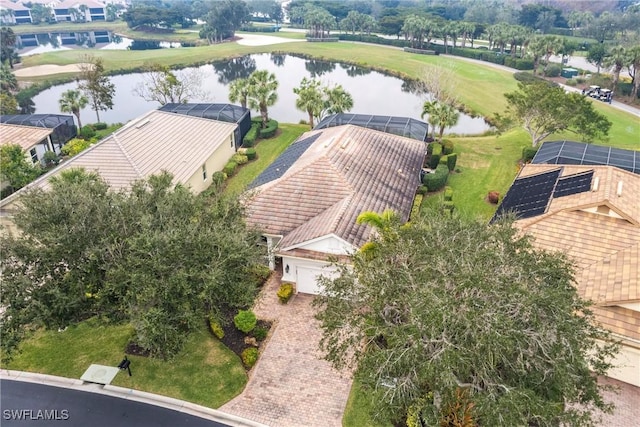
580, 153
222, 112
63, 126
401, 126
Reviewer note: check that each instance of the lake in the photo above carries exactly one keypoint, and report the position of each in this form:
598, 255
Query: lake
372, 92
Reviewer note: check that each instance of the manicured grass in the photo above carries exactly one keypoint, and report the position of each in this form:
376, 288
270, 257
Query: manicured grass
359, 409
205, 372
268, 150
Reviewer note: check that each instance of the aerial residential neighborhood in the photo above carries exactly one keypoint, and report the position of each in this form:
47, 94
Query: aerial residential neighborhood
320, 213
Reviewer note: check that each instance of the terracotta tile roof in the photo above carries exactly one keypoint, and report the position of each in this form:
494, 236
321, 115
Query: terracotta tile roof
600, 231
24, 136
621, 321
156, 142
345, 171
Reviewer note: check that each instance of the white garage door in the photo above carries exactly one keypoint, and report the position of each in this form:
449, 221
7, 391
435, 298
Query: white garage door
307, 279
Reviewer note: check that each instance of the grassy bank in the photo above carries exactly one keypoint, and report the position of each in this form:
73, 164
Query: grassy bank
205, 372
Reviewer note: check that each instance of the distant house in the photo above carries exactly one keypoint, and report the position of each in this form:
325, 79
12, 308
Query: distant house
14, 13
80, 11
61, 126
190, 148
307, 201
591, 213
34, 141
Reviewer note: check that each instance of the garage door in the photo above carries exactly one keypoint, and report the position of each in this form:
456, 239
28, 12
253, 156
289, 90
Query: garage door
307, 279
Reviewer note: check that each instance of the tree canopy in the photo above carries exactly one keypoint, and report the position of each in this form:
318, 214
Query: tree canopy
15, 168
157, 256
95, 84
163, 85
450, 317
543, 109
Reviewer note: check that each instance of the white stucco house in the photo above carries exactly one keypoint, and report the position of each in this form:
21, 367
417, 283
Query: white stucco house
307, 201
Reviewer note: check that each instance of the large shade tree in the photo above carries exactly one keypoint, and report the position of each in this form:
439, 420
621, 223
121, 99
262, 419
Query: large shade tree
73, 101
156, 256
452, 318
162, 85
95, 84
543, 109
263, 93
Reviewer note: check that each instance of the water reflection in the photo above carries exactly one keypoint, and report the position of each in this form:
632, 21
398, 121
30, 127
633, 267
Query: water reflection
372, 92
236, 68
278, 59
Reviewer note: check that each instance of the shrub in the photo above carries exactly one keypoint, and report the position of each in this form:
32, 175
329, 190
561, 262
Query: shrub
553, 70
75, 146
435, 181
580, 80
448, 206
571, 82
452, 159
448, 193
422, 190
260, 333
230, 168
447, 147
216, 328
217, 178
415, 209
443, 160
436, 153
493, 197
87, 132
99, 126
285, 292
249, 356
245, 321
50, 158
260, 273
270, 130
528, 153
251, 136
251, 154
240, 159
525, 77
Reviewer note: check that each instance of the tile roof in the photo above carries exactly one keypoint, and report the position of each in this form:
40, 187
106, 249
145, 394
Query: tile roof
344, 171
155, 142
24, 136
599, 230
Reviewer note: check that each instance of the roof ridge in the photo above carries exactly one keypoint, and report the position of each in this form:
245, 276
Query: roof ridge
127, 156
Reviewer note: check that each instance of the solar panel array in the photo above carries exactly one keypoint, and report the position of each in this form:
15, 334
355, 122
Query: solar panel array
529, 196
573, 184
284, 161
401, 126
578, 153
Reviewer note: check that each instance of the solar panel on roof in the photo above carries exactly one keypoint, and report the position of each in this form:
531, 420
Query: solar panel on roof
578, 153
529, 195
282, 164
573, 184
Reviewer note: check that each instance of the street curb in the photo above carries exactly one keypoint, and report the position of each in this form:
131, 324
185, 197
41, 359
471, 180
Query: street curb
130, 394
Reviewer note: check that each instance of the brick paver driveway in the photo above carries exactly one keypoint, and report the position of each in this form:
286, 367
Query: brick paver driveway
290, 385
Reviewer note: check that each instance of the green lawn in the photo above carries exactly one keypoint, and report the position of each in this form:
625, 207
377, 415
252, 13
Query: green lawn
268, 150
359, 409
205, 372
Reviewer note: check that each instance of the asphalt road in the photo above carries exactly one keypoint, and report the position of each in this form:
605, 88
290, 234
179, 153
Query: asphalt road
28, 404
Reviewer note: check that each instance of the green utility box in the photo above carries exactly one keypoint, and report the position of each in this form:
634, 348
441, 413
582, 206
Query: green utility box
569, 73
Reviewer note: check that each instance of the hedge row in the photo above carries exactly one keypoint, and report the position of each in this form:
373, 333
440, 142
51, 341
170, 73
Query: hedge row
259, 29
270, 130
436, 181
436, 153
420, 51
249, 139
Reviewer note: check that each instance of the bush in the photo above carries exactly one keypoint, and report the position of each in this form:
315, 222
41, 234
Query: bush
260, 273
436, 153
240, 159
216, 328
50, 158
422, 190
230, 168
518, 64
528, 153
251, 136
443, 160
285, 292
415, 209
245, 321
217, 178
99, 126
87, 132
525, 77
448, 206
249, 357
553, 70
493, 197
270, 130
260, 333
580, 80
435, 181
75, 146
447, 147
251, 154
571, 82
452, 159
448, 193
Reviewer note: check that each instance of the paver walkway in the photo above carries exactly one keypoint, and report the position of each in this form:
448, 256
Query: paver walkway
626, 401
290, 385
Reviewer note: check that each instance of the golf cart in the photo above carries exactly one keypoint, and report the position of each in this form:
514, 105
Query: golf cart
593, 91
605, 95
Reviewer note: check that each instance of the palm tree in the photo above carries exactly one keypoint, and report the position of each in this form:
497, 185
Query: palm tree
72, 101
337, 100
7, 45
615, 59
309, 98
263, 93
385, 225
8, 81
441, 115
239, 91
632, 59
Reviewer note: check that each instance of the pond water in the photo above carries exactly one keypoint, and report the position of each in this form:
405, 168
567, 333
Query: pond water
32, 44
373, 92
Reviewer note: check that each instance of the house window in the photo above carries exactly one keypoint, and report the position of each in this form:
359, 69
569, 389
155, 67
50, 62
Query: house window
34, 155
204, 172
